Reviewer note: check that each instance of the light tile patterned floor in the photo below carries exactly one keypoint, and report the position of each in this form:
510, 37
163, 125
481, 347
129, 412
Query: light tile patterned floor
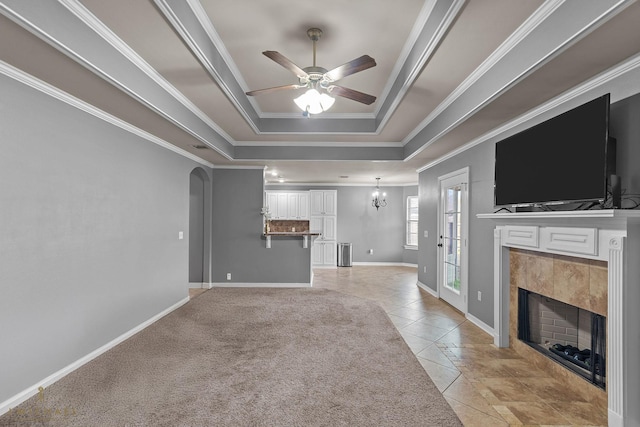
485, 385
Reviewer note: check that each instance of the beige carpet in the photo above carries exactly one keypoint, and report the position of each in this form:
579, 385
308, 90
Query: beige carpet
251, 357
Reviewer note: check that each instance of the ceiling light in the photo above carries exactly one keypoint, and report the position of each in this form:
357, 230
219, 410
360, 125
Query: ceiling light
377, 201
314, 102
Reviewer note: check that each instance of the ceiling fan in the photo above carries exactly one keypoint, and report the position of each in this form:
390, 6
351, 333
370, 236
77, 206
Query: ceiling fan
319, 81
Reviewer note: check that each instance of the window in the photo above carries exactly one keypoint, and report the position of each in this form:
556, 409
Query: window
412, 222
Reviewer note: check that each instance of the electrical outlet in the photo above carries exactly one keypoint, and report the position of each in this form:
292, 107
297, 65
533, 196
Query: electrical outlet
479, 296
370, 251
180, 235
228, 276
426, 234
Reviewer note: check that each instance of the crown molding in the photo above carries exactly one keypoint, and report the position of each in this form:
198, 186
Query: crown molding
593, 84
318, 144
52, 91
545, 47
423, 55
91, 21
191, 22
510, 43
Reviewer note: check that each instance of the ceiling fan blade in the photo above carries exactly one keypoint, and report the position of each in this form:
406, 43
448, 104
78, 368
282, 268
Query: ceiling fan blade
272, 89
351, 94
351, 67
285, 62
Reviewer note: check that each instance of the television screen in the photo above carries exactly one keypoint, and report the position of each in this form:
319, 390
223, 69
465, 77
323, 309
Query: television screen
563, 159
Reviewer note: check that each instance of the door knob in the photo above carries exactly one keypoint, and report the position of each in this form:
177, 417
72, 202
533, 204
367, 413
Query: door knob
439, 245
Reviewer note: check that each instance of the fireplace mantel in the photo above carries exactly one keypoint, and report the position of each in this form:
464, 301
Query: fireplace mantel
607, 235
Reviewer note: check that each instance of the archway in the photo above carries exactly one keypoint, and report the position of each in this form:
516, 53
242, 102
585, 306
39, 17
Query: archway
199, 229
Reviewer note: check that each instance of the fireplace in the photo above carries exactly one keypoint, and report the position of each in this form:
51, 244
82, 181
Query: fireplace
610, 237
570, 336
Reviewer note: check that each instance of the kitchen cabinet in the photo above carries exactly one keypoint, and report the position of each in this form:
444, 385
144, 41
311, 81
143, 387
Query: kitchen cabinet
288, 205
324, 202
324, 254
298, 205
323, 219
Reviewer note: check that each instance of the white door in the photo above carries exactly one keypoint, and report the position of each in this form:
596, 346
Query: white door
452, 245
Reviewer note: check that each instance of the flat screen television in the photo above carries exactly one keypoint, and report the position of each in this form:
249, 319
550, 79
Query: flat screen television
561, 160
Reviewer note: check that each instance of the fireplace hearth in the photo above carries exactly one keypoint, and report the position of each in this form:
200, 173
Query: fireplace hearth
571, 336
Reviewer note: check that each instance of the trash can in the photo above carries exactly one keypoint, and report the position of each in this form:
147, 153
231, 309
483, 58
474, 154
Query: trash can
344, 254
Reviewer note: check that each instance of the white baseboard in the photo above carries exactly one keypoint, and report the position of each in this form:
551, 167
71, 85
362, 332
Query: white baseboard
14, 401
387, 264
479, 323
198, 285
428, 289
259, 285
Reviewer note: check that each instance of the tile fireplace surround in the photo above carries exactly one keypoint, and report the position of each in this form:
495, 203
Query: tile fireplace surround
612, 236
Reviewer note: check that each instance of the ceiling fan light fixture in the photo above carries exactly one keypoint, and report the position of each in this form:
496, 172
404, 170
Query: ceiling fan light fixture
314, 102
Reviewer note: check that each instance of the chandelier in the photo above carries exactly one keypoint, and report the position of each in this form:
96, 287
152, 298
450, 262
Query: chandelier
378, 200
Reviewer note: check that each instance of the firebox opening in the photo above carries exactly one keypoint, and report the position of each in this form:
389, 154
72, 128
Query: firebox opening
569, 335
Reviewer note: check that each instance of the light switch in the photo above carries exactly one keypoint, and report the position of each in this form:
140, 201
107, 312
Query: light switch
180, 235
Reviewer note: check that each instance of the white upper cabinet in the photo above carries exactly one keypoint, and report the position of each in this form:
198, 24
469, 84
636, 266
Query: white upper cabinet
288, 205
323, 202
282, 211
303, 205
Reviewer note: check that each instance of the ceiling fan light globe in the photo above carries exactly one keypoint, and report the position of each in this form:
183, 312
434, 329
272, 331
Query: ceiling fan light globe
314, 102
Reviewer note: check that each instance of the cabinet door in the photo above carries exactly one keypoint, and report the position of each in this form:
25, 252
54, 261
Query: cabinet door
329, 228
283, 206
272, 203
330, 254
293, 201
317, 253
330, 201
317, 202
303, 205
316, 225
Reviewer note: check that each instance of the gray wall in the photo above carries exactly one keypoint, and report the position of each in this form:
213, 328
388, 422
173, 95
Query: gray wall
479, 159
365, 228
238, 246
89, 224
625, 126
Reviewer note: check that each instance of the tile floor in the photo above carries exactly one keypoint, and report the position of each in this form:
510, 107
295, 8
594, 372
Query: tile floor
486, 386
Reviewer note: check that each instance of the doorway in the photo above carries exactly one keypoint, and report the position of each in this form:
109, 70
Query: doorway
453, 220
199, 229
